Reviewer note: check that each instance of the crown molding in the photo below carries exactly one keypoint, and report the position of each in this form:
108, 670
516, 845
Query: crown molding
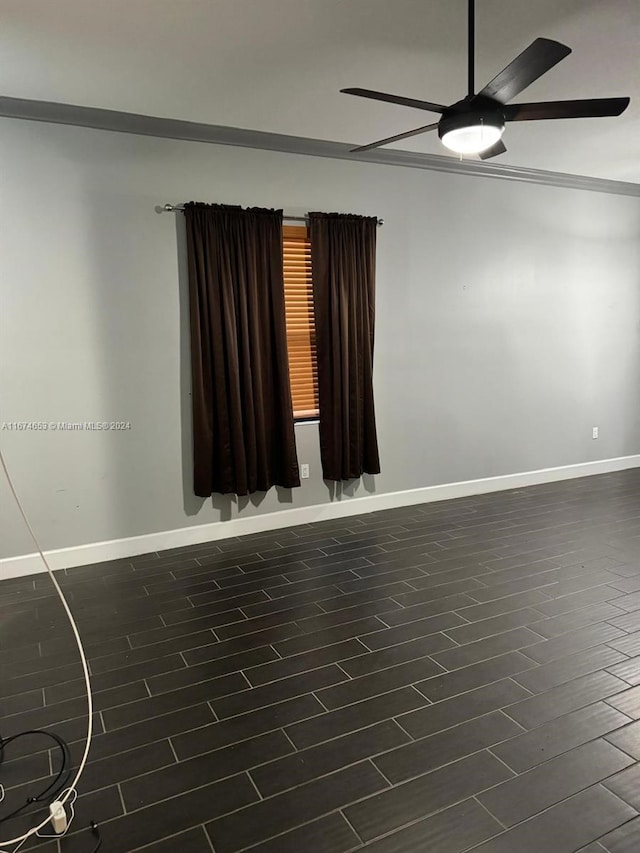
167, 128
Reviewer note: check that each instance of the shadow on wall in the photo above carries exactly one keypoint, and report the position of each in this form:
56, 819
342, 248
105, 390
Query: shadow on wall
348, 488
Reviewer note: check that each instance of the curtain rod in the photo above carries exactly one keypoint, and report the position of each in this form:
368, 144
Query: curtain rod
178, 208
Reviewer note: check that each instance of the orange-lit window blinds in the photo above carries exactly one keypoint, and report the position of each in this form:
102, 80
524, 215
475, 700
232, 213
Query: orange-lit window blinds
301, 339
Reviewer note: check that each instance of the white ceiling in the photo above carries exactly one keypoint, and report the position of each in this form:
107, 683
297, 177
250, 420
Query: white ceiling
278, 65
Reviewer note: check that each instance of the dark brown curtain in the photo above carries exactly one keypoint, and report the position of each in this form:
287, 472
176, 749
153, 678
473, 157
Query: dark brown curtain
343, 264
243, 438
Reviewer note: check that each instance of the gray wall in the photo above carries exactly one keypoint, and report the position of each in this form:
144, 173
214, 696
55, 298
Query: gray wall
507, 324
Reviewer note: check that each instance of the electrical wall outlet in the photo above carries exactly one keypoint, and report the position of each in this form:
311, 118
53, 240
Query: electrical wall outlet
594, 432
304, 472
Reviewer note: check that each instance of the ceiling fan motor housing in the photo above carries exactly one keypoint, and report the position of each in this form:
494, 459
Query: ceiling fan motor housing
472, 112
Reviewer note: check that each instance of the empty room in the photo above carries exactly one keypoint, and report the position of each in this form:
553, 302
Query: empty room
320, 426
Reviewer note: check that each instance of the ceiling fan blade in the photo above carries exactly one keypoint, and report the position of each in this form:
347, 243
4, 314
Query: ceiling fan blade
588, 108
396, 138
533, 62
498, 148
395, 99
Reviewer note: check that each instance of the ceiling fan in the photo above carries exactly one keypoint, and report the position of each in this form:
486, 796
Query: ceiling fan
475, 124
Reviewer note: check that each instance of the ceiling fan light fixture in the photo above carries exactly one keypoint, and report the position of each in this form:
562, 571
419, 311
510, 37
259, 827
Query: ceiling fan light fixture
472, 139
471, 132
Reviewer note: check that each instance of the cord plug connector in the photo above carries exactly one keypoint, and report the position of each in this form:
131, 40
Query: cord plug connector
58, 817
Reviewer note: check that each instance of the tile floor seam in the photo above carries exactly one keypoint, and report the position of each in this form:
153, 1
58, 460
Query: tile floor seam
124, 808
346, 674
275, 651
208, 837
292, 675
514, 773
286, 699
297, 825
601, 784
106, 758
214, 722
170, 837
489, 812
483, 660
449, 763
517, 684
186, 792
242, 673
463, 692
329, 687
621, 749
500, 709
363, 760
570, 680
173, 752
224, 778
415, 821
350, 825
342, 734
294, 747
566, 799
216, 718
253, 782
317, 698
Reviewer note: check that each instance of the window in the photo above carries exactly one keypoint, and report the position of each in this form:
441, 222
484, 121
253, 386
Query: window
301, 336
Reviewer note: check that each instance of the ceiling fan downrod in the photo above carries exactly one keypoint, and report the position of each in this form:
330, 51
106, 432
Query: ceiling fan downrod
472, 46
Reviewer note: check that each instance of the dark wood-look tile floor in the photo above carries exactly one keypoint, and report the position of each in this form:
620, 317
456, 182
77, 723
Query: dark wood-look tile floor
448, 677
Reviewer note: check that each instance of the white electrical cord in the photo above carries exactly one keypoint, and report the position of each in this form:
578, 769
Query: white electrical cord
71, 790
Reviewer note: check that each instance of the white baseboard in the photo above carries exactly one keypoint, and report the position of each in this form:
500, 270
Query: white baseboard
98, 552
